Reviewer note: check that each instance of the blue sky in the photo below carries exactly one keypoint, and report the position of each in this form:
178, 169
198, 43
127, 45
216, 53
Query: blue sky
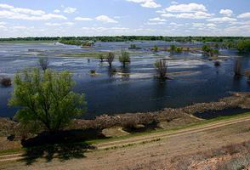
21, 18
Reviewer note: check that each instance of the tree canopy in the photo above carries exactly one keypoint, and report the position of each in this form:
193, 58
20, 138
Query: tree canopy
46, 98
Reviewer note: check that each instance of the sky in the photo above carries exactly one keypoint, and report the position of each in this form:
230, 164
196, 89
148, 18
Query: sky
29, 18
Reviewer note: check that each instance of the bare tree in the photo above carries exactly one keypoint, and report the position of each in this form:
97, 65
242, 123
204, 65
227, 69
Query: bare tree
110, 58
161, 68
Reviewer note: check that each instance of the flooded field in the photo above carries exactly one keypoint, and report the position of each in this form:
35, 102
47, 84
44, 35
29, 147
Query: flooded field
194, 76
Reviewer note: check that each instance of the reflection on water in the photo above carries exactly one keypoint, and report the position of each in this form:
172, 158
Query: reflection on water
132, 88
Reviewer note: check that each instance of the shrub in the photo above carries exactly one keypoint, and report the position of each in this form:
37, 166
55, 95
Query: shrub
92, 71
243, 46
172, 48
101, 57
161, 68
110, 58
6, 82
46, 99
155, 48
44, 63
124, 58
216, 63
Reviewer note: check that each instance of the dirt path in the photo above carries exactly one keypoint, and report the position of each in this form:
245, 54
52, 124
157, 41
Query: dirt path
152, 151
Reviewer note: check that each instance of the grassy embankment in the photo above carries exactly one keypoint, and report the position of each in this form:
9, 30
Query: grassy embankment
141, 134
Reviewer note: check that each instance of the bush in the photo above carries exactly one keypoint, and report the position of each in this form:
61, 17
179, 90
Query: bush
216, 63
101, 57
44, 63
243, 46
124, 58
6, 82
92, 72
161, 68
155, 48
110, 58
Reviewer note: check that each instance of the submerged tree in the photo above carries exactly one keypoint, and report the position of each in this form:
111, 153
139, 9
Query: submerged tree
161, 68
124, 58
46, 99
101, 57
110, 58
44, 63
237, 68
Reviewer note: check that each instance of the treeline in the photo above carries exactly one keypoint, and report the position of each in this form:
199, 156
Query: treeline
76, 42
131, 38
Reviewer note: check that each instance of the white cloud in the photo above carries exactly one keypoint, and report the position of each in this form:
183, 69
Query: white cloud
104, 28
11, 12
191, 7
226, 12
69, 10
146, 3
244, 15
195, 15
155, 23
83, 19
222, 20
157, 20
60, 24
106, 19
56, 11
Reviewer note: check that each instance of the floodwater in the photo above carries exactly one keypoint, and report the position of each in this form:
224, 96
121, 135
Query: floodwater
194, 76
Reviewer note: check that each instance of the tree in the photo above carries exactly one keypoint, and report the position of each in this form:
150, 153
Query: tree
101, 57
44, 63
161, 68
110, 58
46, 99
124, 58
243, 46
172, 48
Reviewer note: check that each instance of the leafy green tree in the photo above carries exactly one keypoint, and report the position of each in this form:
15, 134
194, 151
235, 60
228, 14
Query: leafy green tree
46, 99
243, 46
172, 48
124, 58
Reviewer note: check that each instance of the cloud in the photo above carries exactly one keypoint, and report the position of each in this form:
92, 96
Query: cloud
11, 12
56, 11
155, 23
106, 19
157, 20
244, 15
83, 19
191, 7
69, 10
222, 20
104, 28
60, 24
226, 12
196, 15
146, 3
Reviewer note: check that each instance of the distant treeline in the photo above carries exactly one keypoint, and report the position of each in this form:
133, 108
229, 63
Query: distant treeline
130, 38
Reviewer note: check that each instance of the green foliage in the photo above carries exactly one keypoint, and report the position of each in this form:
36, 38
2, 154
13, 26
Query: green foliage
161, 68
172, 48
44, 63
124, 58
76, 42
243, 46
208, 50
179, 49
110, 58
46, 99
155, 48
101, 57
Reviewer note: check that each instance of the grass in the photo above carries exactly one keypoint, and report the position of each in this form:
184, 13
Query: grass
99, 141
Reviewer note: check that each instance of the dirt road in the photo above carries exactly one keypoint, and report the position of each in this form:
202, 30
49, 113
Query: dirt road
152, 151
